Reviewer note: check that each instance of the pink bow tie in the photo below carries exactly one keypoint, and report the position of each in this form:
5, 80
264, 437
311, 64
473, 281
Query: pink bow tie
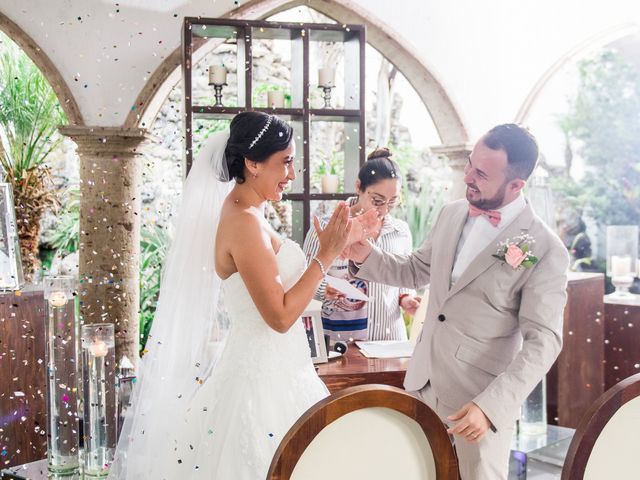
493, 215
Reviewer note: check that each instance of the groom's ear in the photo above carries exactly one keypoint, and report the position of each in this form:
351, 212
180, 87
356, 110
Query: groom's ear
517, 185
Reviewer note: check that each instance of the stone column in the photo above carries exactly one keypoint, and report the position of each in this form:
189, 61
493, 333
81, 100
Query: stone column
109, 263
457, 156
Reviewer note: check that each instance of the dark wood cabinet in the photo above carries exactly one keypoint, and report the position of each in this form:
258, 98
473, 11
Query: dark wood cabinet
22, 377
576, 379
622, 340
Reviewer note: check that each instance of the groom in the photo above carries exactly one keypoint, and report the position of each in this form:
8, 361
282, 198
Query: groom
494, 325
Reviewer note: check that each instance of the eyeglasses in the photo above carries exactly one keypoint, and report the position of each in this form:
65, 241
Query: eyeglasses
378, 202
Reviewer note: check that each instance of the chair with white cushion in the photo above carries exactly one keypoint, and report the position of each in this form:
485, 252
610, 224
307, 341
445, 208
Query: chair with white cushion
375, 432
606, 444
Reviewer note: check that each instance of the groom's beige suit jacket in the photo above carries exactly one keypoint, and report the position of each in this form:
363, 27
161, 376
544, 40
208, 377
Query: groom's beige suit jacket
492, 335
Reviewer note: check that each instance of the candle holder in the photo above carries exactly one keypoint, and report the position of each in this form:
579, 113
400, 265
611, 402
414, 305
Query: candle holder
125, 379
218, 94
533, 412
622, 254
62, 380
99, 394
327, 95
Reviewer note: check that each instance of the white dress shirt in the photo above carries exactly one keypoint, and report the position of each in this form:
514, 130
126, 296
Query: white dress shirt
478, 233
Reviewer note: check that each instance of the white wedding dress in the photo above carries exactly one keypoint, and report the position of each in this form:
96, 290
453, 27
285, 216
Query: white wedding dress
262, 383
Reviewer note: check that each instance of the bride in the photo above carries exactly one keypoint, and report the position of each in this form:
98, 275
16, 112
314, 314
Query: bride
213, 401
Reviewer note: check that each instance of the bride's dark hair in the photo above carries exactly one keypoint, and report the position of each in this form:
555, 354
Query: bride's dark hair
256, 136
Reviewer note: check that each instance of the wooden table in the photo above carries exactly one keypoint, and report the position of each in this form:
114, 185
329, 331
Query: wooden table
622, 339
23, 420
353, 369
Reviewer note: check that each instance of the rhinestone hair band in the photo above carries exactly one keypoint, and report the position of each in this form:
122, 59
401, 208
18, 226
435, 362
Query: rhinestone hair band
262, 132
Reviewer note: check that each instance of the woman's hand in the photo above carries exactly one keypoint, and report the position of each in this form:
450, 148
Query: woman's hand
363, 226
410, 304
331, 293
335, 235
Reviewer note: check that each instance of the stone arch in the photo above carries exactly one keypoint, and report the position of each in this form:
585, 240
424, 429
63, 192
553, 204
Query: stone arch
46, 66
580, 50
446, 116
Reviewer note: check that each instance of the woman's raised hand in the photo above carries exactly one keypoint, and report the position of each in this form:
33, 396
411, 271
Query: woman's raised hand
363, 226
335, 235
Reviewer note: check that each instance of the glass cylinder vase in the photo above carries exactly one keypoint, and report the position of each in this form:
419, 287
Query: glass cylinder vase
622, 254
533, 416
62, 376
99, 396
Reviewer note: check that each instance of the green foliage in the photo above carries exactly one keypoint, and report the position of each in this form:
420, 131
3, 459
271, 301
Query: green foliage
66, 236
423, 190
153, 249
29, 116
29, 112
604, 123
421, 210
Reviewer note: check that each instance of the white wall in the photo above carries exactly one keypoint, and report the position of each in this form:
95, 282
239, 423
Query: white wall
490, 53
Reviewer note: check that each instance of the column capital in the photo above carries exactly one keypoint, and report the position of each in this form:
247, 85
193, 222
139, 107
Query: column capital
100, 140
456, 154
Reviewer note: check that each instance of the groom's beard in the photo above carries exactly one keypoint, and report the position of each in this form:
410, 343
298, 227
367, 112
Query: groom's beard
489, 203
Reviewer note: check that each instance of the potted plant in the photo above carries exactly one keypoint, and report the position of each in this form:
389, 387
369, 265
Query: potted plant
329, 179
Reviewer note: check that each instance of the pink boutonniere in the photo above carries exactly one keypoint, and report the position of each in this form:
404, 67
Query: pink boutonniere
517, 252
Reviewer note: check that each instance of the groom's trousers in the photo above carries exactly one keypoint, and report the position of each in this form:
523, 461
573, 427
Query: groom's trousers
487, 459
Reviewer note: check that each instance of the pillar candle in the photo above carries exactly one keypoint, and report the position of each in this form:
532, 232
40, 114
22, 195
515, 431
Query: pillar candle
326, 77
217, 75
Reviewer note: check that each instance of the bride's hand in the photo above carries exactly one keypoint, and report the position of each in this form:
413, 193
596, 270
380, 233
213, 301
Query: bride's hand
335, 235
363, 225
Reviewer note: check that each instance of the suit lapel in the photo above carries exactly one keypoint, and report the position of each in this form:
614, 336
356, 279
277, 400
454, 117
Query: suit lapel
485, 258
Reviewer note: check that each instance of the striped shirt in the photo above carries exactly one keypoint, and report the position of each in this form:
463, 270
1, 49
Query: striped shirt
378, 319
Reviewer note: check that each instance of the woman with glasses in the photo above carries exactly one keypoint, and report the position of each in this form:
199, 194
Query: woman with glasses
378, 187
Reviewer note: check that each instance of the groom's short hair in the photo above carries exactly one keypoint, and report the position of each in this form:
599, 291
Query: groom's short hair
519, 145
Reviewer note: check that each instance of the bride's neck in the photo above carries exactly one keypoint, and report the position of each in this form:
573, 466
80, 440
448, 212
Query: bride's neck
247, 196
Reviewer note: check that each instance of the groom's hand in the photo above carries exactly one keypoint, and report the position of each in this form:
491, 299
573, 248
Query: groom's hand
472, 424
358, 252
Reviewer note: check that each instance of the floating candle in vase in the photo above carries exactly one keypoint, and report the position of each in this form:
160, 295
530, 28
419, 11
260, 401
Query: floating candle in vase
57, 299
